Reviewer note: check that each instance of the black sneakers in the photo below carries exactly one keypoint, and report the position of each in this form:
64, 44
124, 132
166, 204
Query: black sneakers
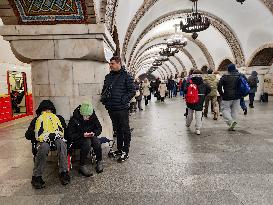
37, 182
99, 167
85, 171
245, 111
64, 178
123, 157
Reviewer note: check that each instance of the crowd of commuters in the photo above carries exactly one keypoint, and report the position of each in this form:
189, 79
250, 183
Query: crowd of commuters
122, 95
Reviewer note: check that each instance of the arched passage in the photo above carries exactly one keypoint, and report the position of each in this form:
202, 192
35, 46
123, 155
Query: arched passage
223, 65
263, 57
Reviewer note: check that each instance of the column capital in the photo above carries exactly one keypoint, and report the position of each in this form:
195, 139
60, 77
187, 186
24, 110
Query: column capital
59, 42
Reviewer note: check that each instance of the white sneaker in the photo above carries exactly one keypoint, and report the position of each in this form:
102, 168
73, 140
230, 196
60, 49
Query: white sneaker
198, 132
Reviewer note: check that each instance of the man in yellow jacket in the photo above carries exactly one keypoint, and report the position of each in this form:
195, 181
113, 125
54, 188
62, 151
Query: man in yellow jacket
47, 131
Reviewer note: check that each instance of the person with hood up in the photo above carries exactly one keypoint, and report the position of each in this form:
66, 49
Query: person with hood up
47, 129
203, 90
228, 89
82, 132
253, 84
212, 81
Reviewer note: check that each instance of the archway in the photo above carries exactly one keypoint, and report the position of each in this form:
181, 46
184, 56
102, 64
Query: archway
263, 57
224, 64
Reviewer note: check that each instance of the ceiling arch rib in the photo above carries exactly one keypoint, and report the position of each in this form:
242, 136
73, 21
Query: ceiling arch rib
150, 64
146, 6
167, 70
141, 59
219, 24
156, 45
151, 57
197, 42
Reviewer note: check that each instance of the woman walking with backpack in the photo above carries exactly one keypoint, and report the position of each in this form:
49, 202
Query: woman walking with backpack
196, 92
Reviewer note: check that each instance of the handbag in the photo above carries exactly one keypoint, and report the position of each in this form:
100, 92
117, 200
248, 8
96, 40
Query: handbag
107, 93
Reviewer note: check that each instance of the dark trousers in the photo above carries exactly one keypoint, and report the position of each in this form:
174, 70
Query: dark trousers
121, 120
251, 98
243, 104
170, 93
146, 100
139, 104
85, 146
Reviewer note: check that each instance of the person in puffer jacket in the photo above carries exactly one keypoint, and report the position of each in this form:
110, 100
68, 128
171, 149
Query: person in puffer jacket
82, 132
203, 90
212, 81
43, 147
228, 89
122, 91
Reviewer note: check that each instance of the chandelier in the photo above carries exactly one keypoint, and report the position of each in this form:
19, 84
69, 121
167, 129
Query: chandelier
240, 1
157, 63
162, 58
168, 51
176, 40
195, 21
152, 69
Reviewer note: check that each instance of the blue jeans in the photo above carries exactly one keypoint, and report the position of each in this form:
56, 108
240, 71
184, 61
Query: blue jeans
243, 104
181, 92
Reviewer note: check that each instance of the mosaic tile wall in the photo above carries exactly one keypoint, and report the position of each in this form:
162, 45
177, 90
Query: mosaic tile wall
49, 11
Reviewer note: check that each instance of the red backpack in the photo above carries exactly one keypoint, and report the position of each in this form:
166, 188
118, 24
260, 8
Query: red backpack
192, 96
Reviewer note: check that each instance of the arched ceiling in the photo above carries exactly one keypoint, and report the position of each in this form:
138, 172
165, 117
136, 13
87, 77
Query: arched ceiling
236, 32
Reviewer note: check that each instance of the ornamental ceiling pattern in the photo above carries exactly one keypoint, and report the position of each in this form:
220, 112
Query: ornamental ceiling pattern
219, 24
146, 6
196, 41
49, 11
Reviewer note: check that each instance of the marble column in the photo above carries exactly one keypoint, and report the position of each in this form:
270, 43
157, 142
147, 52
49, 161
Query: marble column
68, 64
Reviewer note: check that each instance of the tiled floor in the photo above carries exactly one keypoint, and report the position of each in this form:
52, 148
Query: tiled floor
168, 163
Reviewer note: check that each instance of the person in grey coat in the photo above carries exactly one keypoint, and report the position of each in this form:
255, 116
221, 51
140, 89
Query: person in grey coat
253, 84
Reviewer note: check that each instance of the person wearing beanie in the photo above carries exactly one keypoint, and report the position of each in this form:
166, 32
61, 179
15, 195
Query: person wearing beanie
228, 90
82, 132
46, 132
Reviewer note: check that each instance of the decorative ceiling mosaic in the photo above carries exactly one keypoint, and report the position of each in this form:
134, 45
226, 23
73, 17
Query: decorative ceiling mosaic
49, 11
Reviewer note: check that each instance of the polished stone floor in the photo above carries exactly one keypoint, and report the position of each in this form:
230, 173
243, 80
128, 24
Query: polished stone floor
168, 163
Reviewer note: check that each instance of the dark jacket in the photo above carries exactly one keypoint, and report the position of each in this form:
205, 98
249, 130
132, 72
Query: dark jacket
228, 86
203, 90
122, 91
170, 84
77, 126
253, 78
45, 104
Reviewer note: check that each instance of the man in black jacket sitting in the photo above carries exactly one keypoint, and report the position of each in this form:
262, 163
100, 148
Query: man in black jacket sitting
82, 131
118, 90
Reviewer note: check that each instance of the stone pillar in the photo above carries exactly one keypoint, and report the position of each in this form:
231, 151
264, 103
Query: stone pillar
68, 64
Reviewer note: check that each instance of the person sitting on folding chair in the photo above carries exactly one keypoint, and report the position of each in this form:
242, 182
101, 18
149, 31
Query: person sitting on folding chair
82, 132
46, 132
